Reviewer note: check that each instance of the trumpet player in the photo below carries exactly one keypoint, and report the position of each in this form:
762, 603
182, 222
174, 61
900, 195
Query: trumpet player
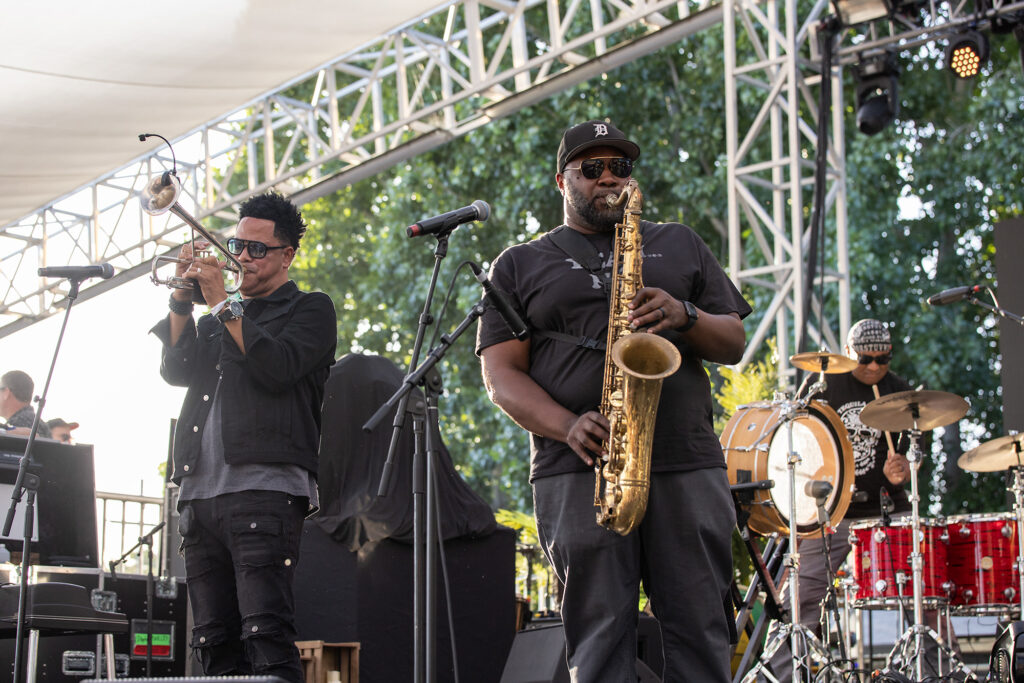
551, 384
245, 444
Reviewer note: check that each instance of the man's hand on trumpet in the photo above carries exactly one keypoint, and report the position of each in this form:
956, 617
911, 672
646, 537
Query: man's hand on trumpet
206, 270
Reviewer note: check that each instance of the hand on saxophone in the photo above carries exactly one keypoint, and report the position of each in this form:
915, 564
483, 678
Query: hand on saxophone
656, 310
587, 434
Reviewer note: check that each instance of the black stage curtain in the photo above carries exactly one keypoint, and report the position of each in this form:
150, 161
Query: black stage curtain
351, 462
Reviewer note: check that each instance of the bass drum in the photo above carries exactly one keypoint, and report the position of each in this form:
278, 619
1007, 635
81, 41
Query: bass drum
756, 443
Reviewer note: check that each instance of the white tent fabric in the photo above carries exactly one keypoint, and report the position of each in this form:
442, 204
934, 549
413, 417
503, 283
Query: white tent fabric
79, 80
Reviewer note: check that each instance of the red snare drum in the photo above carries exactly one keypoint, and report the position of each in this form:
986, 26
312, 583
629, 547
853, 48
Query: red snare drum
982, 563
881, 552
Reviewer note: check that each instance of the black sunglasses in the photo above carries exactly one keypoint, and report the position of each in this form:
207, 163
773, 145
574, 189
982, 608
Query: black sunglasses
884, 359
592, 169
256, 249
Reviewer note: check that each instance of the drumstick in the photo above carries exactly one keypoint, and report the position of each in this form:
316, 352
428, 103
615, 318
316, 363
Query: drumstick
888, 436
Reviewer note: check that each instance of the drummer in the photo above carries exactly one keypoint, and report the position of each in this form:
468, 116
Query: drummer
878, 466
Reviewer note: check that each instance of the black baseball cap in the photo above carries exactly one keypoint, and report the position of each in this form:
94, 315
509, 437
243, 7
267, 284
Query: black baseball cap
589, 134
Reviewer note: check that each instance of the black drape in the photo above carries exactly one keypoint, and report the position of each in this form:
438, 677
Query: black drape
351, 462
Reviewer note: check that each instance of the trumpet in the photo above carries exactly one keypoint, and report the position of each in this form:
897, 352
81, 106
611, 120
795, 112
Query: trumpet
160, 196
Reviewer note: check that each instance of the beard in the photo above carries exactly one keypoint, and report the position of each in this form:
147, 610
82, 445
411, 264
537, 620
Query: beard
597, 214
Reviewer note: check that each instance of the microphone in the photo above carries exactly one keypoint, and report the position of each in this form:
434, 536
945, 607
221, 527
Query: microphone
500, 303
477, 211
950, 296
113, 570
103, 270
818, 490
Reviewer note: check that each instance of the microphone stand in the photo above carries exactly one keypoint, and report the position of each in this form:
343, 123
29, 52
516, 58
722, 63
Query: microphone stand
146, 540
26, 481
424, 529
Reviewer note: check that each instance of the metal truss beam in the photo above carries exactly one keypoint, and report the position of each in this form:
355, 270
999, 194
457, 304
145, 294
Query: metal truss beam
773, 76
772, 104
432, 79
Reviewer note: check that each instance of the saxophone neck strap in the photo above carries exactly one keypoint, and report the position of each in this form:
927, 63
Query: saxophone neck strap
582, 251
584, 341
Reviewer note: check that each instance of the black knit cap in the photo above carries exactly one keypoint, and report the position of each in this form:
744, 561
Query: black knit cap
589, 134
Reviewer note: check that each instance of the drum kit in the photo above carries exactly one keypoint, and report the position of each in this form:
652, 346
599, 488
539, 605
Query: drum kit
965, 565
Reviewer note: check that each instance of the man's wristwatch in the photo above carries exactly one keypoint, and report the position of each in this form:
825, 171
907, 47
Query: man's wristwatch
228, 310
691, 315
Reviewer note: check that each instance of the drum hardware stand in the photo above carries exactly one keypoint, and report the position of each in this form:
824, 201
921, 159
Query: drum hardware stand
909, 647
1018, 511
803, 644
768, 573
830, 604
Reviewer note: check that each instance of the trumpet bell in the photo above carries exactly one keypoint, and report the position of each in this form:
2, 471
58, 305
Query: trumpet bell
161, 193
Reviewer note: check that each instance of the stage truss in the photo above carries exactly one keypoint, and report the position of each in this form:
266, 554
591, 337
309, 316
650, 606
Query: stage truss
444, 74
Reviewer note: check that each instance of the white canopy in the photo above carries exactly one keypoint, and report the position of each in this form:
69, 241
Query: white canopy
80, 80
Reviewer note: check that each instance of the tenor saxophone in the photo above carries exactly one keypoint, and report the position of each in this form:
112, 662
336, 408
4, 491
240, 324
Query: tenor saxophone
634, 366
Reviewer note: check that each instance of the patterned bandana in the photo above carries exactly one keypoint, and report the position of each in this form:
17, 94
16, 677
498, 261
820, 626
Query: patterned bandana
868, 335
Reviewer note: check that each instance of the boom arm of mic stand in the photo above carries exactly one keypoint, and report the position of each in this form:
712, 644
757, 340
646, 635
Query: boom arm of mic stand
998, 310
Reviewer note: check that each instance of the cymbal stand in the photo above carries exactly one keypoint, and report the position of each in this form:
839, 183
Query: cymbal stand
804, 646
909, 647
1018, 513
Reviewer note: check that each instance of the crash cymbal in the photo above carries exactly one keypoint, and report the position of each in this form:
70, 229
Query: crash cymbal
993, 456
822, 361
895, 412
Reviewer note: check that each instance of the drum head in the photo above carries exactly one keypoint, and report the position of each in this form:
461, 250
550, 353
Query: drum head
757, 446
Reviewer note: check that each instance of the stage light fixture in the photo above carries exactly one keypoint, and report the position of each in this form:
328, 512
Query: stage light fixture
877, 99
853, 12
966, 52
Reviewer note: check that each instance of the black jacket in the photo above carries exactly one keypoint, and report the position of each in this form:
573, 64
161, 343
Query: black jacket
271, 395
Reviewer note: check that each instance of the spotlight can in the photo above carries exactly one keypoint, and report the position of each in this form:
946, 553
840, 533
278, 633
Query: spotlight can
966, 53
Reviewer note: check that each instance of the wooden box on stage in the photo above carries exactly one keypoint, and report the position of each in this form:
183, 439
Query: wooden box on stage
320, 658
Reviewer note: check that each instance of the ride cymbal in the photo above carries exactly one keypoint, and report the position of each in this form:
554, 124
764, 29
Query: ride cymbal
822, 361
895, 412
993, 456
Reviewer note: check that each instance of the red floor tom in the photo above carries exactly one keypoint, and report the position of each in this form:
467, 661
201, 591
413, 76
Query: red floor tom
982, 563
881, 556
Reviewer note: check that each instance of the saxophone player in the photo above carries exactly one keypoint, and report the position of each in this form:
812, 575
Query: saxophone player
551, 385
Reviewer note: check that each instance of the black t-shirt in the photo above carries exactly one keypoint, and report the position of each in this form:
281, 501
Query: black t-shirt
556, 294
847, 396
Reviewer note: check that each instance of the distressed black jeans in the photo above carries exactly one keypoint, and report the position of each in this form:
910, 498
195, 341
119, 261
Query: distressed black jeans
241, 550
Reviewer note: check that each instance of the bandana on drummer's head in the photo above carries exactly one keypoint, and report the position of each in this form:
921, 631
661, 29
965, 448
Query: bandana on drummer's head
868, 335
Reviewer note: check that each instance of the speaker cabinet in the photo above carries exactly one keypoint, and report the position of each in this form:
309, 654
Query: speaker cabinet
538, 655
366, 597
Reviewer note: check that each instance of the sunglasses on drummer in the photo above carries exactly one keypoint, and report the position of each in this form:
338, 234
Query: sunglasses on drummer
592, 169
256, 249
865, 359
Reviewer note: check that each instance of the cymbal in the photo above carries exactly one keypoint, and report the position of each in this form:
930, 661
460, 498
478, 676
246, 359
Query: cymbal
822, 361
993, 456
894, 412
